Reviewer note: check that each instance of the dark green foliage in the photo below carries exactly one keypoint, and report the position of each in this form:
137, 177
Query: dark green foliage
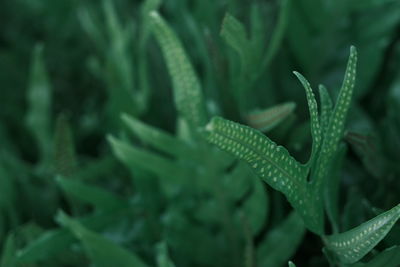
172, 133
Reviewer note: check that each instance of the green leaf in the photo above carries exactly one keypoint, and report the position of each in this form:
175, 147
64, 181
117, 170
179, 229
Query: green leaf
163, 259
272, 163
279, 32
38, 117
331, 190
161, 140
335, 128
267, 119
255, 208
313, 109
102, 251
281, 242
55, 241
388, 258
64, 149
326, 108
8, 256
93, 195
291, 264
132, 155
234, 33
354, 244
187, 90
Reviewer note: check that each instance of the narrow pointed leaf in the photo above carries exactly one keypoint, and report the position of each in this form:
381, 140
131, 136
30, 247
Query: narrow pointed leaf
187, 90
351, 246
161, 140
272, 163
93, 195
102, 252
267, 119
8, 255
326, 108
335, 128
234, 33
38, 117
314, 118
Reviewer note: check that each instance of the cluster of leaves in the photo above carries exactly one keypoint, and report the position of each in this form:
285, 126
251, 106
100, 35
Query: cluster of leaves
175, 184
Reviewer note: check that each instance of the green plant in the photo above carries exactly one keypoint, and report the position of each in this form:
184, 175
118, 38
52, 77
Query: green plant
117, 162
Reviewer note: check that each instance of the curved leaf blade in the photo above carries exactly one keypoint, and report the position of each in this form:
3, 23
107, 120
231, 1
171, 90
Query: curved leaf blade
314, 118
354, 244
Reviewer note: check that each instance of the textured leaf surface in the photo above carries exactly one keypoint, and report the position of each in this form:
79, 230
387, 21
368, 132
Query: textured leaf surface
234, 34
335, 128
272, 163
103, 252
354, 244
58, 240
133, 156
187, 90
388, 258
313, 108
161, 140
326, 108
267, 119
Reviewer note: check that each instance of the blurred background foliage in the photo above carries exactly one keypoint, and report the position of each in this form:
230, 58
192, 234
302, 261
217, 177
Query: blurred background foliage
69, 69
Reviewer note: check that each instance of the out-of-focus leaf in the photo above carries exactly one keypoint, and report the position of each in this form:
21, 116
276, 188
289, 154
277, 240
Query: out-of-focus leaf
64, 149
8, 255
281, 242
234, 34
267, 119
163, 259
314, 118
158, 138
187, 90
102, 251
93, 195
38, 116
